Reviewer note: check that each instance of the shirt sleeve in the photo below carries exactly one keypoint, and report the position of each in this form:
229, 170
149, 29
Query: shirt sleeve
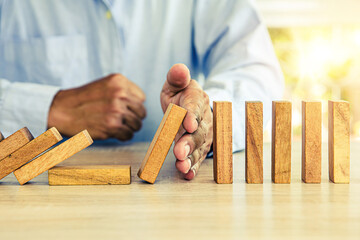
24, 105
235, 53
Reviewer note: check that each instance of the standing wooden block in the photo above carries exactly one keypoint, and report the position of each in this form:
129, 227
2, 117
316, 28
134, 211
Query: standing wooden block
29, 151
53, 157
90, 175
14, 142
222, 143
254, 142
1, 137
281, 142
339, 141
161, 143
311, 142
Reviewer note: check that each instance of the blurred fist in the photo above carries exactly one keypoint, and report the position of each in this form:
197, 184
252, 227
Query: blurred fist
111, 107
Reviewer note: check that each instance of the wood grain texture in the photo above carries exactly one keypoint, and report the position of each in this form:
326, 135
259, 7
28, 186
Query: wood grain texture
222, 143
254, 142
161, 143
1, 137
90, 175
311, 142
14, 142
206, 210
281, 142
53, 157
29, 151
339, 141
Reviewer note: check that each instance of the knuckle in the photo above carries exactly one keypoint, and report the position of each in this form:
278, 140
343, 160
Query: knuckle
128, 135
115, 80
117, 93
113, 106
111, 122
138, 126
206, 98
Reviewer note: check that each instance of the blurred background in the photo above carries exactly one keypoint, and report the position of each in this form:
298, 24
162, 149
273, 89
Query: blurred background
318, 45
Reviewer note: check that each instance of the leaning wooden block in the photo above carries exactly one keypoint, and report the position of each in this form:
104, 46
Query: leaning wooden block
311, 142
339, 141
161, 143
254, 142
14, 142
53, 157
90, 175
1, 137
281, 142
29, 151
222, 143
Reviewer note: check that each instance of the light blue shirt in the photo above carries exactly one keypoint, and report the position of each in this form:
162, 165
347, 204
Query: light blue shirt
48, 45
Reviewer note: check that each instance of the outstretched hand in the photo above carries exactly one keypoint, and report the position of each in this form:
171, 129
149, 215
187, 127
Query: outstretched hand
194, 139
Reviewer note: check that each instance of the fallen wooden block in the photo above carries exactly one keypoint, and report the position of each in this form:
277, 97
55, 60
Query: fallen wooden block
14, 142
29, 151
1, 137
222, 143
339, 141
53, 157
90, 175
281, 142
254, 142
311, 142
161, 143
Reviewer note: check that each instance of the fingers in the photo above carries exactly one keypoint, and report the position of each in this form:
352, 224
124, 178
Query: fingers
137, 108
132, 121
192, 118
122, 133
121, 87
191, 148
191, 166
187, 144
194, 170
177, 79
196, 101
136, 91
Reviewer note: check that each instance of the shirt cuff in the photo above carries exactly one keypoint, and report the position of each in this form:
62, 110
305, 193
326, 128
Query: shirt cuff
25, 105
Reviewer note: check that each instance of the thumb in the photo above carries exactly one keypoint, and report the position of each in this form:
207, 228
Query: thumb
178, 78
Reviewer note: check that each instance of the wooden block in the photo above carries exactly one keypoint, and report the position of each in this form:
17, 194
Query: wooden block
90, 175
1, 137
311, 142
53, 157
29, 151
339, 141
254, 142
281, 142
14, 142
161, 143
222, 143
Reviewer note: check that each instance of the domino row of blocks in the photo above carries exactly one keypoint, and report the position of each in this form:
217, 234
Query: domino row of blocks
27, 158
339, 142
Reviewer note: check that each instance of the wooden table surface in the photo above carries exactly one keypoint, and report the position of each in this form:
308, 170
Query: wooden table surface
174, 208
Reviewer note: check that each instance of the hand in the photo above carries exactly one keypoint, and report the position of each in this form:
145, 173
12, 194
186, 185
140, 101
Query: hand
111, 107
194, 139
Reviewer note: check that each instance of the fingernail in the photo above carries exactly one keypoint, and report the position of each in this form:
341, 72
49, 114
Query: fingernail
189, 161
195, 122
193, 172
187, 150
